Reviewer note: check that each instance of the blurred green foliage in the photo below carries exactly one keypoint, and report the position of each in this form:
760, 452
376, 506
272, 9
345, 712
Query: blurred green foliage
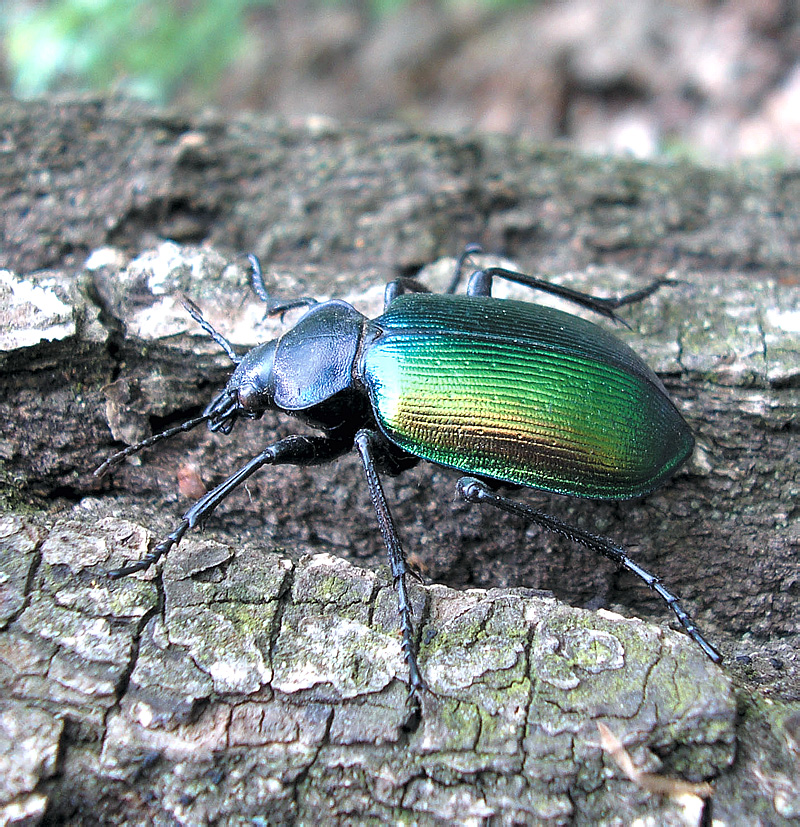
145, 48
149, 49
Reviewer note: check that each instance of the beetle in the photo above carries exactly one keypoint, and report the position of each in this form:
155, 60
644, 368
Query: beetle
509, 393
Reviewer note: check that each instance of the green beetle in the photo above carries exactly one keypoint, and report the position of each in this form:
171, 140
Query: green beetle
506, 392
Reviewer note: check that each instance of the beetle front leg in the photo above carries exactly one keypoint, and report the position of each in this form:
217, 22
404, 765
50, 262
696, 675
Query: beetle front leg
275, 307
293, 450
364, 444
472, 490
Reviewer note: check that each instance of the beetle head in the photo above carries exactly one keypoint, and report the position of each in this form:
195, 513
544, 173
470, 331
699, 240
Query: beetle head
250, 390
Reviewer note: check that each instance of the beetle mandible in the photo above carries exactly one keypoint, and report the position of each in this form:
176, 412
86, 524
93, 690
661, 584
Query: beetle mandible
507, 392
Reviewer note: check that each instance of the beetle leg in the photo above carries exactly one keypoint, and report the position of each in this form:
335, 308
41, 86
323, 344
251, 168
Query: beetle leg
399, 286
469, 251
408, 285
480, 284
275, 307
293, 450
472, 490
365, 444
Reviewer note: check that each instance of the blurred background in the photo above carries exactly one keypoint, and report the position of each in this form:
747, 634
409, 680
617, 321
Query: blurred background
711, 81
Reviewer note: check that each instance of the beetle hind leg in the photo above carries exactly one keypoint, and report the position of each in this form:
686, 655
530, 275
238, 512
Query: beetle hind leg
472, 490
480, 284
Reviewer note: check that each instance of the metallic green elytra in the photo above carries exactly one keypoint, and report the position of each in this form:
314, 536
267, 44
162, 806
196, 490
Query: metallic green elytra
521, 393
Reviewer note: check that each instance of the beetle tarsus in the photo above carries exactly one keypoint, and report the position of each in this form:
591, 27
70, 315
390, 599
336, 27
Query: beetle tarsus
152, 557
472, 490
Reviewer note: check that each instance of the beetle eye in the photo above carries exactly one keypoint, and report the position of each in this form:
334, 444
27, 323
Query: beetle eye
246, 396
253, 399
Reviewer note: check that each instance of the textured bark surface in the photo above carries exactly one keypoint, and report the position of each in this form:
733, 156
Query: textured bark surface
259, 674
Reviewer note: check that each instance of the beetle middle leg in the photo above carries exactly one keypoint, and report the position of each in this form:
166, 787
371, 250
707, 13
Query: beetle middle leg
401, 285
292, 450
472, 490
365, 445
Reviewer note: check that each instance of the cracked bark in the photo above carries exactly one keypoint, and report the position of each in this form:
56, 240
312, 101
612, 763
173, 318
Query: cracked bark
260, 673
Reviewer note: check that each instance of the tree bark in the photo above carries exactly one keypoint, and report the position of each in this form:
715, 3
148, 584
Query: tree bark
258, 673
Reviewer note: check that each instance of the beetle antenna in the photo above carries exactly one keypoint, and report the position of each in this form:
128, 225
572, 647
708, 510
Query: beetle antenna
194, 311
116, 459
257, 279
